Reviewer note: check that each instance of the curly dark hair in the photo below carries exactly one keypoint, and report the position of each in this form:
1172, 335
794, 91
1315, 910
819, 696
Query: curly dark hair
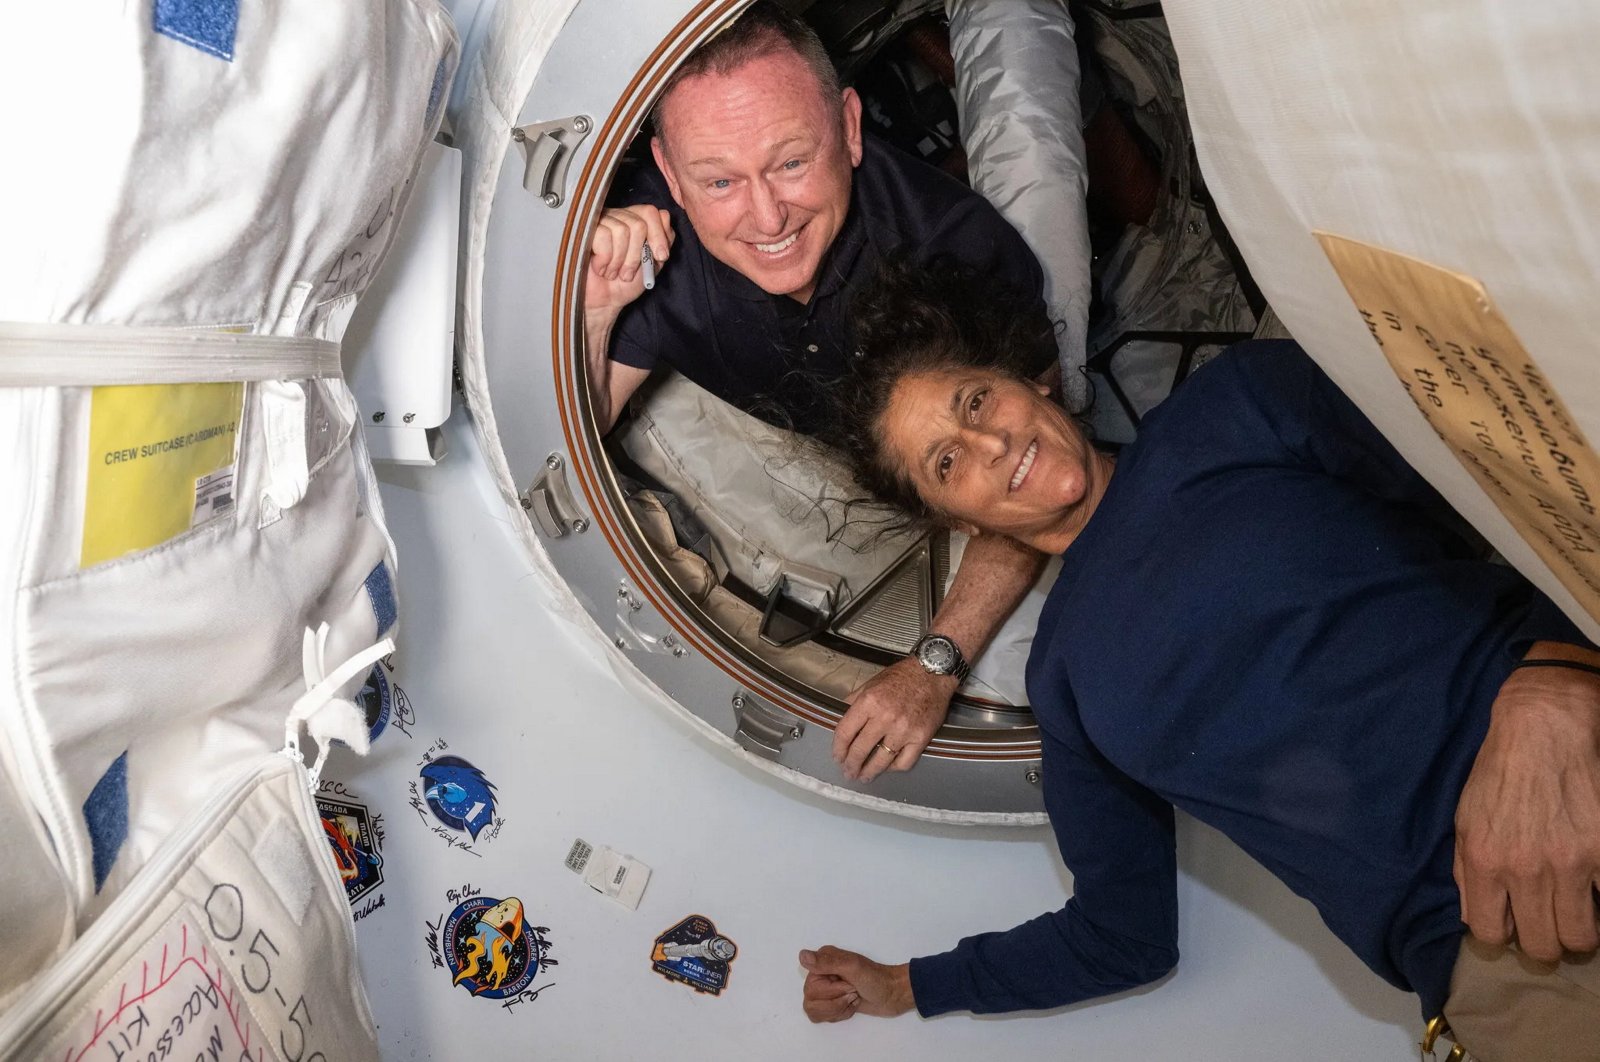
914, 318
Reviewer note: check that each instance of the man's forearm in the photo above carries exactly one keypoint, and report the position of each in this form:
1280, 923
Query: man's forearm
597, 360
996, 573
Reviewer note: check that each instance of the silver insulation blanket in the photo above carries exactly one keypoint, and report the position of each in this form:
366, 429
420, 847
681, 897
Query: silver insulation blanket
1017, 78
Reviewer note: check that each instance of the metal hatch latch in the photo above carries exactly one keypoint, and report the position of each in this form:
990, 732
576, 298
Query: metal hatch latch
762, 728
549, 148
800, 605
550, 503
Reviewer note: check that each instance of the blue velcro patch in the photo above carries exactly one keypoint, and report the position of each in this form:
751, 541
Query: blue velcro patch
106, 812
436, 91
380, 591
206, 24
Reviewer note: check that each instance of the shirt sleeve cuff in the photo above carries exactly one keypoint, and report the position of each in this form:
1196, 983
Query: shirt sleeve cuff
626, 352
1544, 622
936, 984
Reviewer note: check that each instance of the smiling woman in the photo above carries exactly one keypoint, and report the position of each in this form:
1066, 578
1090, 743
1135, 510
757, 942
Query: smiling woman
938, 420
994, 450
1333, 586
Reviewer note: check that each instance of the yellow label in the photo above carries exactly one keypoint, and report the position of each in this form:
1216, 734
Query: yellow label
1482, 392
161, 460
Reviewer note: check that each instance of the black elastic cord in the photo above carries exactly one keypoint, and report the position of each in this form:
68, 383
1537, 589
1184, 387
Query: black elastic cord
1573, 664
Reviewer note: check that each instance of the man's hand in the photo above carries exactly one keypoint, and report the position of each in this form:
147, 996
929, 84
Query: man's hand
615, 278
1528, 824
841, 984
891, 720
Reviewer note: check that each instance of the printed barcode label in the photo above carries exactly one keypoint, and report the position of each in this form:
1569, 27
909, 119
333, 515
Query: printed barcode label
578, 856
213, 496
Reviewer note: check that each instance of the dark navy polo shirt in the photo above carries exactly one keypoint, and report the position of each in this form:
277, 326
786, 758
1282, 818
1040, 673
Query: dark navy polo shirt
766, 353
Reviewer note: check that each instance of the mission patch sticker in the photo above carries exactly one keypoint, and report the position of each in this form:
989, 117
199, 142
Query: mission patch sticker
694, 953
488, 948
355, 837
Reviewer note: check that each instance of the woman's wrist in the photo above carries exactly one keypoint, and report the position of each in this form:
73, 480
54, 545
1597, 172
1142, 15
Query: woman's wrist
1561, 655
905, 1000
1557, 680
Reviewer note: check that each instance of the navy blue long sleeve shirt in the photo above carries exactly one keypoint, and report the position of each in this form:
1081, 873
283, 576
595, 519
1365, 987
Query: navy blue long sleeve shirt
1272, 622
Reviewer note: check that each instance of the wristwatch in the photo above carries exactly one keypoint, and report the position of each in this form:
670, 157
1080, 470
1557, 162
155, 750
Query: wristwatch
938, 655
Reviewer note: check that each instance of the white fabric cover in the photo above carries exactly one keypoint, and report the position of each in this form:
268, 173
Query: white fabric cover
768, 498
168, 186
1460, 132
1022, 126
235, 942
1002, 670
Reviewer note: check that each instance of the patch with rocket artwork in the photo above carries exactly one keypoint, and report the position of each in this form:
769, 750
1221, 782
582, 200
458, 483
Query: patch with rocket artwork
355, 844
694, 953
488, 947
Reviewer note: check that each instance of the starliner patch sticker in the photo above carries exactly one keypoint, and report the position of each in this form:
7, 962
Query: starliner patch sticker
488, 947
694, 953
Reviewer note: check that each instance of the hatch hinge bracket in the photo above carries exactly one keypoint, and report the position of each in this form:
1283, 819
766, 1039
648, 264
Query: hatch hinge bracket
762, 728
548, 148
630, 635
550, 503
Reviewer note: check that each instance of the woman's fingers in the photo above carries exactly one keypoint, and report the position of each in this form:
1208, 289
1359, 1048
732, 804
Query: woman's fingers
1576, 918
828, 998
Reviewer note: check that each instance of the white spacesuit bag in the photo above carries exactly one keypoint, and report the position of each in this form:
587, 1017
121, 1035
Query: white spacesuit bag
209, 186
1432, 166
233, 943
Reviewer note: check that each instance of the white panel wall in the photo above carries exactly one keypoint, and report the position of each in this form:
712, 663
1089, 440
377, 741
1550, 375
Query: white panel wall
515, 692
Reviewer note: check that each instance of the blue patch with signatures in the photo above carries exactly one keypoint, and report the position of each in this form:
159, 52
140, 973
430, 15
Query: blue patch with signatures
208, 25
380, 591
458, 794
106, 813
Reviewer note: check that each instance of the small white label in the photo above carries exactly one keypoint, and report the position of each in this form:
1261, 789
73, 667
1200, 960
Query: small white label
618, 877
213, 496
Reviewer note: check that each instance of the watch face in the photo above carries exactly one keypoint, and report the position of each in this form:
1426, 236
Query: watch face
937, 654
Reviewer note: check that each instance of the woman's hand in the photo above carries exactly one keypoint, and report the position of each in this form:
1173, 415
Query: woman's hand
1528, 823
616, 251
841, 984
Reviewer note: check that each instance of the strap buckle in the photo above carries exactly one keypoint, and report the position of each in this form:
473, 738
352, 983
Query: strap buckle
1435, 1028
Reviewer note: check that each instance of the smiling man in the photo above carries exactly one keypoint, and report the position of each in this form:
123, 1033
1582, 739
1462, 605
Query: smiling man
766, 210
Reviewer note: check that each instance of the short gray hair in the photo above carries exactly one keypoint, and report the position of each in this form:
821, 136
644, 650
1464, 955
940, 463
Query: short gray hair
764, 29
